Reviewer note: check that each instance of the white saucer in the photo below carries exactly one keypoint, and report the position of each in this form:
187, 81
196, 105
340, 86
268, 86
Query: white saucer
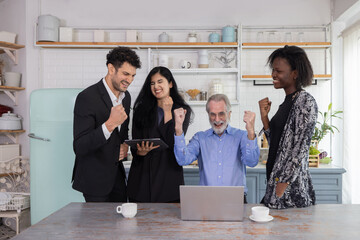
267, 219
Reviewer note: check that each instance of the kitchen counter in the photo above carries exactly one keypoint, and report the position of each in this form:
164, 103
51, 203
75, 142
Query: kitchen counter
162, 221
327, 181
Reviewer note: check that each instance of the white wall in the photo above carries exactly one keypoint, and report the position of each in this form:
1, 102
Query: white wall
132, 14
351, 194
188, 12
340, 6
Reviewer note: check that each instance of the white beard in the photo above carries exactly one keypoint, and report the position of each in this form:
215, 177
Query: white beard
219, 131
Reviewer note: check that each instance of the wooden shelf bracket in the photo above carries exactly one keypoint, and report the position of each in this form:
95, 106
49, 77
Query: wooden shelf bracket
13, 54
12, 95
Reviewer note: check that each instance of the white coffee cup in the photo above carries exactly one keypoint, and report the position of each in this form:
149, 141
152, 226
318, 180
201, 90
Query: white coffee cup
260, 213
128, 210
184, 64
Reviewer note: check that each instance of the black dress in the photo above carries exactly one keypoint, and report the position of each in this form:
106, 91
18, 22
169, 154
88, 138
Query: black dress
156, 177
277, 124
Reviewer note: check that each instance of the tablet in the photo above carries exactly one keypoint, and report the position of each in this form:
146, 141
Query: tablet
155, 141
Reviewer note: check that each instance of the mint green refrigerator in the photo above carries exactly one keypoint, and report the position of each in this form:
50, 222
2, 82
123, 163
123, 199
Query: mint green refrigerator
51, 151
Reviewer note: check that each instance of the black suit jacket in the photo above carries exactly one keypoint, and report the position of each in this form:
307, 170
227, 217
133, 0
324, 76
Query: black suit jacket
97, 159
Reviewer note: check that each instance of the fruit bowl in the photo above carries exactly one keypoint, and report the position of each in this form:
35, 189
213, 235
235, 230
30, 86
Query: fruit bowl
193, 93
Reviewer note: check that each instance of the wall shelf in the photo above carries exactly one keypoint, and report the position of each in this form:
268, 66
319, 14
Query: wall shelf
11, 49
203, 103
138, 45
12, 92
259, 41
274, 45
12, 134
205, 70
268, 77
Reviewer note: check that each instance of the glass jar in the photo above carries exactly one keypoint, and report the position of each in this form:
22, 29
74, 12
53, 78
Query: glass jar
203, 95
192, 37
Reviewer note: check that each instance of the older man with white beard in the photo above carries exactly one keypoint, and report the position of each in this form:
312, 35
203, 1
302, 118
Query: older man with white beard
223, 152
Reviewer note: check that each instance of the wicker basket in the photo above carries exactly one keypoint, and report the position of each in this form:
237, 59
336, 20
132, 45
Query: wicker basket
15, 201
314, 160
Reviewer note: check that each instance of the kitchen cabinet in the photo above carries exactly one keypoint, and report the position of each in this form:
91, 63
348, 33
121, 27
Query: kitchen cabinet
176, 50
327, 181
259, 42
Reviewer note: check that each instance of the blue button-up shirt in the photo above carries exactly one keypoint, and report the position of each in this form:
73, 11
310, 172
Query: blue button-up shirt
222, 159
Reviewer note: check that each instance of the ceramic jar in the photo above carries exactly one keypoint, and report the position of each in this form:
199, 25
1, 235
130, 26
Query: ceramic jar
214, 37
203, 59
164, 37
228, 34
48, 28
192, 37
12, 79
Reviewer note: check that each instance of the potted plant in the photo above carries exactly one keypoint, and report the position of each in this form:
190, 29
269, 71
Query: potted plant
322, 128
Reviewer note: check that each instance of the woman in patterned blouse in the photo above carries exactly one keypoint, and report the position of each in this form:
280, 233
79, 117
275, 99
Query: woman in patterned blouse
290, 130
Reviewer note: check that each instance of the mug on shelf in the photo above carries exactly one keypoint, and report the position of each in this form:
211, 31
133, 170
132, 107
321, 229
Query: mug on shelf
184, 64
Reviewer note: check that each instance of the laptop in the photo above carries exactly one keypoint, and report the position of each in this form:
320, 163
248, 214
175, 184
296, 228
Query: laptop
212, 203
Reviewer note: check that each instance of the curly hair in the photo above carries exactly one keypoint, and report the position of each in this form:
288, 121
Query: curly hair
298, 60
119, 55
146, 103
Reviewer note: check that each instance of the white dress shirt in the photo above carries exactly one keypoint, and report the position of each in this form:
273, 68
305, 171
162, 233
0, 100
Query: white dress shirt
115, 101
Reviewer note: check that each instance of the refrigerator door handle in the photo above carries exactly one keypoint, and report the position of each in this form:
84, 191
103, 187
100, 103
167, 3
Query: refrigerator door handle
32, 135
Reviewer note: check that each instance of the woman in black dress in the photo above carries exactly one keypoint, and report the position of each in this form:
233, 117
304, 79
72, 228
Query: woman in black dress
155, 175
290, 130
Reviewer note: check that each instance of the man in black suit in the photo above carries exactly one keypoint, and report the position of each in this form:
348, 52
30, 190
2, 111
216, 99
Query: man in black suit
100, 127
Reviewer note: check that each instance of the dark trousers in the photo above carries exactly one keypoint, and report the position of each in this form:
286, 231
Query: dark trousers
117, 194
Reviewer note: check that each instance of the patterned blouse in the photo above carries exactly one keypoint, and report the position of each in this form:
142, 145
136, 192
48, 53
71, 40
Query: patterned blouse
291, 163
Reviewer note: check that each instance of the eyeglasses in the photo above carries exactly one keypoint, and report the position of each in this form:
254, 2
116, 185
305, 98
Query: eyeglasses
220, 115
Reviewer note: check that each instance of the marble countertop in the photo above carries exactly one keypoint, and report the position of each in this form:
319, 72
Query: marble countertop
163, 221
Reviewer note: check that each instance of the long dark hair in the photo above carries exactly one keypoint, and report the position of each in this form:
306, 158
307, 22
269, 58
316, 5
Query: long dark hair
298, 60
145, 107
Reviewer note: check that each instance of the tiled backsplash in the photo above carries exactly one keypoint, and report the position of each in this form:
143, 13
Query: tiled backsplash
69, 68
